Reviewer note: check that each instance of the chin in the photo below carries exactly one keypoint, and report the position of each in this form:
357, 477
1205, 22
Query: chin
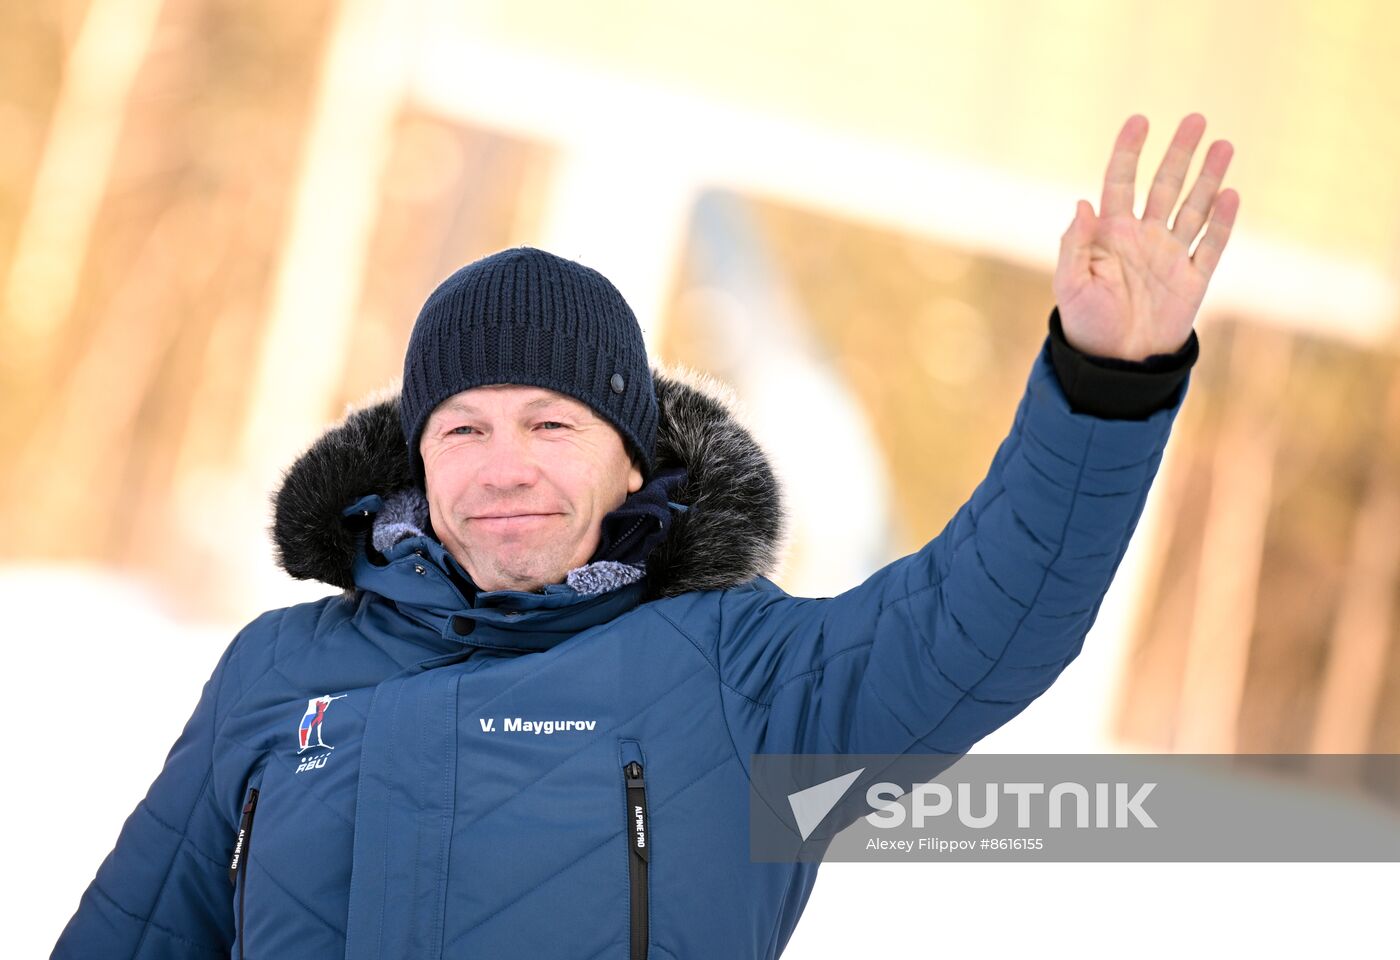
533, 574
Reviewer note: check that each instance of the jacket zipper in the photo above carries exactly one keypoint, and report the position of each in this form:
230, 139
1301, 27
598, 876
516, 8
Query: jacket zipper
640, 844
239, 863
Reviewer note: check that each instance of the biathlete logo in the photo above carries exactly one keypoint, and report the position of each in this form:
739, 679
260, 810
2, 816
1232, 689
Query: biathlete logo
311, 722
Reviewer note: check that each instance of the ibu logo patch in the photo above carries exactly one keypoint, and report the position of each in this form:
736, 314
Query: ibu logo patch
310, 732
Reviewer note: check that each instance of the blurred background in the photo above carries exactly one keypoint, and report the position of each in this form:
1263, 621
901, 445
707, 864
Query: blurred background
219, 219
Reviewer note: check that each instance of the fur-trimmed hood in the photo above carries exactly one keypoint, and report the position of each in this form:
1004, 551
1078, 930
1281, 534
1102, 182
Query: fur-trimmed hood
733, 529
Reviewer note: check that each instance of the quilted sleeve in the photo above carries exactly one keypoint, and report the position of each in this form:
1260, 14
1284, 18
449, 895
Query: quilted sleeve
163, 890
939, 648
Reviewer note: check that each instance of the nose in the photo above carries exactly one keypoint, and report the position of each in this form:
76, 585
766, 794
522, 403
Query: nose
509, 462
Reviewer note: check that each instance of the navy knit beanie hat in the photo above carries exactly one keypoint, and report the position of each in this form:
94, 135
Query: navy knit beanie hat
526, 316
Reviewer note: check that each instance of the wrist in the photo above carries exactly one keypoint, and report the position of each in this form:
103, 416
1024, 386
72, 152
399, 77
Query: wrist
1115, 388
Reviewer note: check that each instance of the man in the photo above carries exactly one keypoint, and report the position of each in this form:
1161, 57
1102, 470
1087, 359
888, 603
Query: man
537, 698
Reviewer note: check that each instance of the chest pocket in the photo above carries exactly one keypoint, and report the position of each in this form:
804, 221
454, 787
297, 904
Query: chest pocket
290, 870
639, 846
238, 865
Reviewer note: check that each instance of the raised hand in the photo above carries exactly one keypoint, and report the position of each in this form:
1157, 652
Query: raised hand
1129, 288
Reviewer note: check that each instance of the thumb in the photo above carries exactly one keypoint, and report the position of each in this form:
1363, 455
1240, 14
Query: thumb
1074, 244
1083, 223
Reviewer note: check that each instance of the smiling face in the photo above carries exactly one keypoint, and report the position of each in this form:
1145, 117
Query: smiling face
518, 482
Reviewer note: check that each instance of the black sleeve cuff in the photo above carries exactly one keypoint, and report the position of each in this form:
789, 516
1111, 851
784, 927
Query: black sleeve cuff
1118, 389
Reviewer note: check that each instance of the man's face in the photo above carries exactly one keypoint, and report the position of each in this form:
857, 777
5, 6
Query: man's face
519, 480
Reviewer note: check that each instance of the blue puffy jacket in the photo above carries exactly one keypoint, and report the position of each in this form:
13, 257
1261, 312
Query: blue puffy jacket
409, 769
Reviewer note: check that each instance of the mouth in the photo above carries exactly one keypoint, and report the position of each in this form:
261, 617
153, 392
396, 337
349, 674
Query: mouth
512, 521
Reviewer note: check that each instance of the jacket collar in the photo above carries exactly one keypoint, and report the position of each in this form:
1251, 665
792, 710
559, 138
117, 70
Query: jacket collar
726, 523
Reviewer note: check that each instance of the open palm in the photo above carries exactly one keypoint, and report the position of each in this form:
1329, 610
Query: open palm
1128, 287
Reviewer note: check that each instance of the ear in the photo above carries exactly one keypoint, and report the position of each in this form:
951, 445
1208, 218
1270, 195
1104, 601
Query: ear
634, 478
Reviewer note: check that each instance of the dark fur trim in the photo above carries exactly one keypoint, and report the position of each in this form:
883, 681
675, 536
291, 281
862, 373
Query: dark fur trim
734, 528
362, 455
733, 531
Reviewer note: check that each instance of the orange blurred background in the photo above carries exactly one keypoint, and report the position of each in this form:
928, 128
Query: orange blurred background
218, 221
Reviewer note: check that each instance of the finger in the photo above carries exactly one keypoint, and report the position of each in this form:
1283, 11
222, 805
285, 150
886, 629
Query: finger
1166, 185
1222, 219
1197, 206
1122, 168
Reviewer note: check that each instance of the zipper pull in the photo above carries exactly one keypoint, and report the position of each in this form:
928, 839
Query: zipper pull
244, 826
633, 770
